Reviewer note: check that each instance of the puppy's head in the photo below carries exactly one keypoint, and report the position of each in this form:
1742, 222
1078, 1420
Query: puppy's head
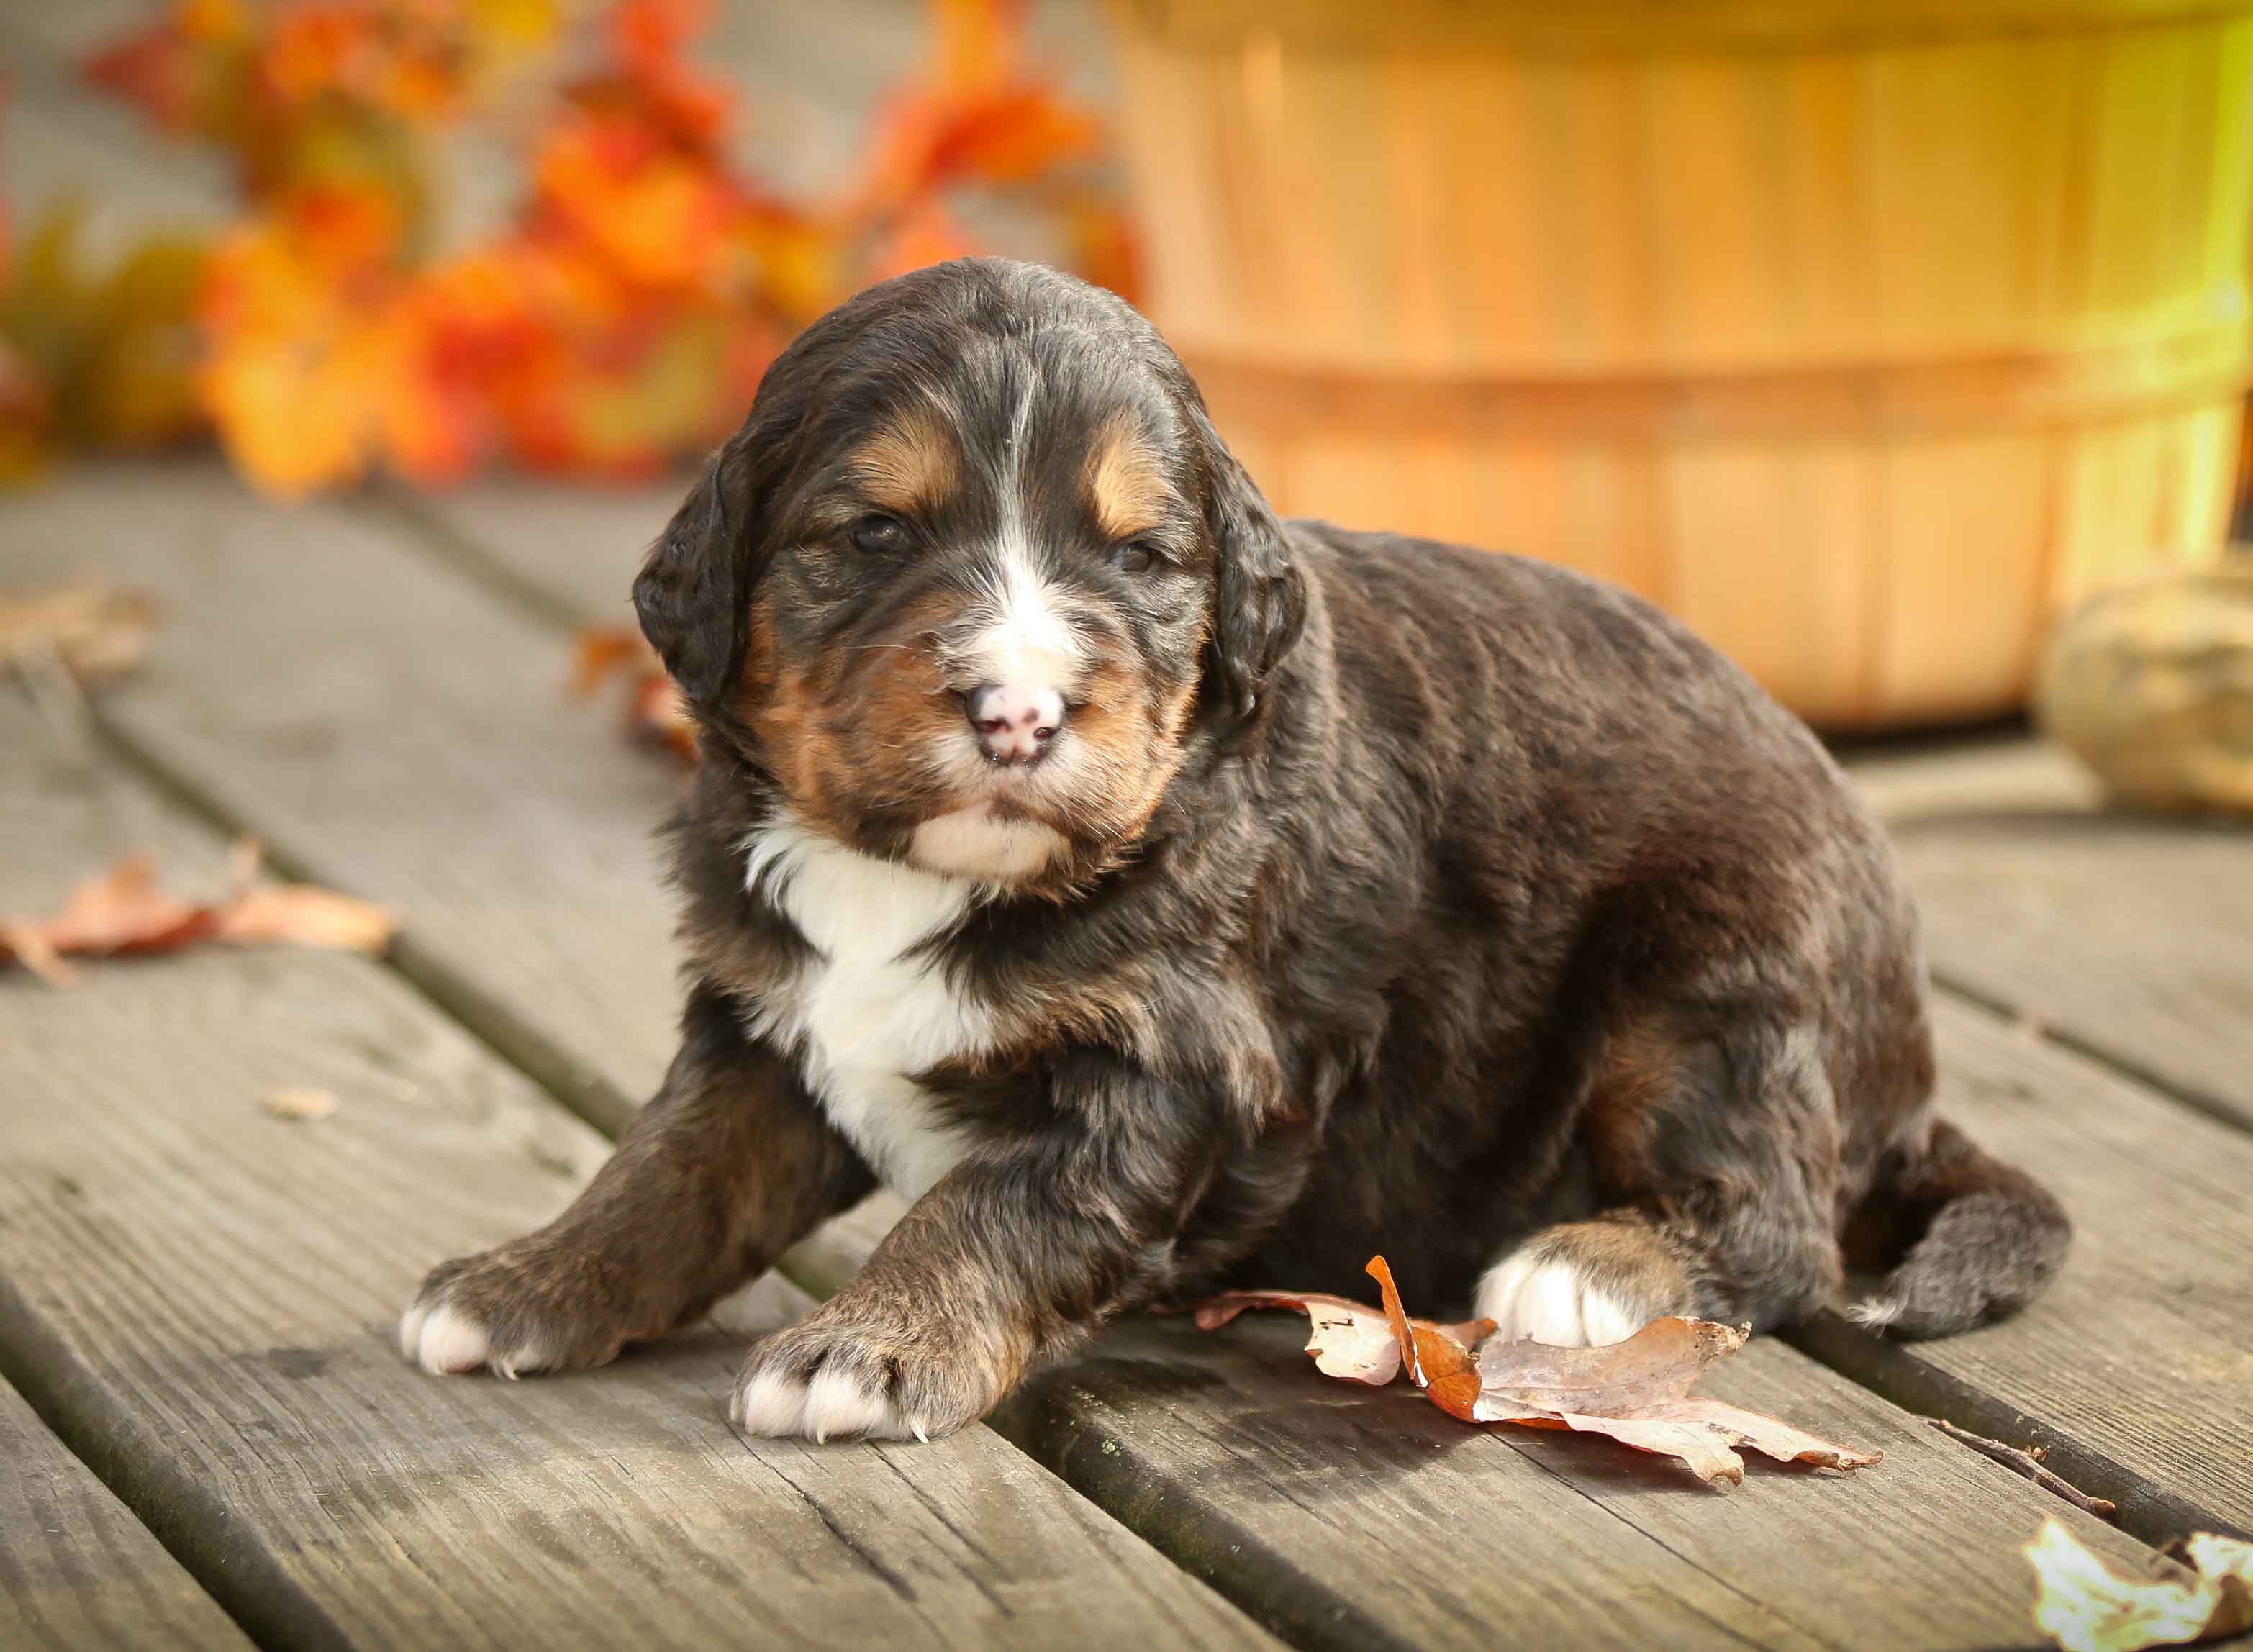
974, 576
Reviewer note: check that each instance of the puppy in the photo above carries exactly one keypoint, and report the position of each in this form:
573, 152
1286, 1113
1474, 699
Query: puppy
1161, 897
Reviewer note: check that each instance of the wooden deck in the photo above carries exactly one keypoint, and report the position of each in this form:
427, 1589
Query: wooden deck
208, 1419
207, 1438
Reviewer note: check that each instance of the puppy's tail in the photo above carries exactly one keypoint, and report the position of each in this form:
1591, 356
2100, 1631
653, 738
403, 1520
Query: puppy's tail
1992, 1236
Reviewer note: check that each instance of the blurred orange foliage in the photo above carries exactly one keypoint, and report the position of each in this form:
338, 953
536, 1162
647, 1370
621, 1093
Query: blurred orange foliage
625, 314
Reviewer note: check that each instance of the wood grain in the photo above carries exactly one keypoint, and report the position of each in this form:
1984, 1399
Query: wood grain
78, 1572
1348, 1517
2128, 936
2142, 1350
390, 728
205, 1296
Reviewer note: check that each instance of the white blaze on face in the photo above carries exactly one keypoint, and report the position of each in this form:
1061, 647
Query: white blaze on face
1023, 640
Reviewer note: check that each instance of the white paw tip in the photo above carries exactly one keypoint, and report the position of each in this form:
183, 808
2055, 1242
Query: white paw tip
444, 1342
770, 1405
1551, 1303
839, 1403
835, 1405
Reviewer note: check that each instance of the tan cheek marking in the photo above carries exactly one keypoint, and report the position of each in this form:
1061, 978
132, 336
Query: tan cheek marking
1126, 484
909, 465
1140, 751
832, 758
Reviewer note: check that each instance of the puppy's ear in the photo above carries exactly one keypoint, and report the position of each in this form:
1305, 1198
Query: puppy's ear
1259, 600
693, 594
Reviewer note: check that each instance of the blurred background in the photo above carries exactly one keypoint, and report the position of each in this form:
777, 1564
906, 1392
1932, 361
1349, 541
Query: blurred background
1872, 339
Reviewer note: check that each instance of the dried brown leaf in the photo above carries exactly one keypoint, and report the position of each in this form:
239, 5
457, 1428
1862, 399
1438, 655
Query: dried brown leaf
1637, 1391
1661, 1362
2086, 1607
305, 915
125, 912
1433, 1354
1349, 1339
654, 709
98, 633
304, 1106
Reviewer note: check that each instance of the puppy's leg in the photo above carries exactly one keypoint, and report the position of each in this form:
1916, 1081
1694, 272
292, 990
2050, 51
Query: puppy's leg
730, 1164
1013, 1257
1721, 1147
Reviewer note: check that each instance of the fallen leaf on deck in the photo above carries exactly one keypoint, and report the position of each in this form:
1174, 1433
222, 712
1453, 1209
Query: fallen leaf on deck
98, 633
1636, 1392
303, 914
1354, 1343
125, 912
299, 1105
1438, 1357
654, 710
2086, 1607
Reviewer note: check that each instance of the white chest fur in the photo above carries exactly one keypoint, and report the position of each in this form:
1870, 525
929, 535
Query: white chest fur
869, 1013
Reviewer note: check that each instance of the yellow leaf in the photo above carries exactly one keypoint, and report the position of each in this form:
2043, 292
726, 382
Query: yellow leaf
2086, 1607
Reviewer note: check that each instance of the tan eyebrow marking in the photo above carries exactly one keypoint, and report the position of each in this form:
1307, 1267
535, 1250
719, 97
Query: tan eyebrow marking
1125, 482
909, 463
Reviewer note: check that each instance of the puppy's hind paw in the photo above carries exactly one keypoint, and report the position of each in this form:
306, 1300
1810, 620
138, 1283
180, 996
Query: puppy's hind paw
1553, 1302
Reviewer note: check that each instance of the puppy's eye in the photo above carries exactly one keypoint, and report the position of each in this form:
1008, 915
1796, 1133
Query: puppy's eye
1134, 556
879, 534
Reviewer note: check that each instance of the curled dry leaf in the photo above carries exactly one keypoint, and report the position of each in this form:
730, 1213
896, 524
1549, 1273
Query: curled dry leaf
1636, 1392
98, 633
1354, 1343
300, 1107
654, 711
2086, 1607
124, 911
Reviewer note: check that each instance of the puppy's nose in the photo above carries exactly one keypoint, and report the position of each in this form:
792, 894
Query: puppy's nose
1016, 723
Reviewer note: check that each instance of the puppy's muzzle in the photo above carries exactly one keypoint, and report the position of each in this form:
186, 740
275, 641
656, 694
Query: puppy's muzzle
1014, 721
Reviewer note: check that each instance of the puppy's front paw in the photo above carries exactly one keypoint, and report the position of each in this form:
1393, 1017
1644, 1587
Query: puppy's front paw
522, 1308
846, 1373
1583, 1284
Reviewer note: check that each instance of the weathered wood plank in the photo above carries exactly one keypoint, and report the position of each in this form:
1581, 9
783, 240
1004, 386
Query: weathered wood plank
396, 732
206, 1294
392, 729
2128, 936
78, 1572
2142, 1350
1348, 1518
254, 608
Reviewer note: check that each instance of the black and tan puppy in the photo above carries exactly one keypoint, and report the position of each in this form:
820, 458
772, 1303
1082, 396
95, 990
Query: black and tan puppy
1161, 896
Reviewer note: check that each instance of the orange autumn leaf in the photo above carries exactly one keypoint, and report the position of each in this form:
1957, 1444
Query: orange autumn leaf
625, 316
126, 912
122, 912
1437, 1357
654, 709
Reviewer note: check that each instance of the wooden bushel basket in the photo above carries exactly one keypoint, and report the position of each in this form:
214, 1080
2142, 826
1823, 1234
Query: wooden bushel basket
1863, 334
